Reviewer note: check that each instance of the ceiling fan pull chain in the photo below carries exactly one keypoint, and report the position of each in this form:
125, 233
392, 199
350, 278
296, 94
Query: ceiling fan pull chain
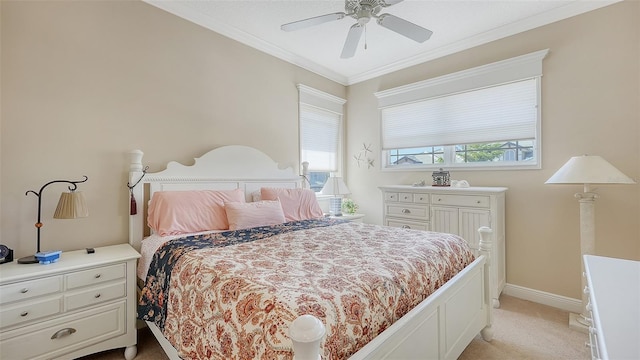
365, 38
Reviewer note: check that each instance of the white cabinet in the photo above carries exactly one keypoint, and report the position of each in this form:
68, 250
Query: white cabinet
459, 211
79, 305
613, 286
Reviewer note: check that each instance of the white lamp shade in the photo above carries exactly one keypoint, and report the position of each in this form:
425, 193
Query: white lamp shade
335, 186
588, 169
71, 205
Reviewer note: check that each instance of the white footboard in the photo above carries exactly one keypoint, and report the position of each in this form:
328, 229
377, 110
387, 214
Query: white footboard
440, 327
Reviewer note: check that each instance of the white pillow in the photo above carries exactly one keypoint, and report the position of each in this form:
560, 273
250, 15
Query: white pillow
260, 213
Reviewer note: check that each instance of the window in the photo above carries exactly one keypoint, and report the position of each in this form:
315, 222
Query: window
320, 134
483, 117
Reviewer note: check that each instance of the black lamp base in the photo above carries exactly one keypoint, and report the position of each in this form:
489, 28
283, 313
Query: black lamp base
28, 260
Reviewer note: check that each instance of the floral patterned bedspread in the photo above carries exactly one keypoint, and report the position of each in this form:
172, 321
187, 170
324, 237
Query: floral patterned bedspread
214, 301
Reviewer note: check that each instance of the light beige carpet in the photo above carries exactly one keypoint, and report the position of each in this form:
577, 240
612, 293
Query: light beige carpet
522, 330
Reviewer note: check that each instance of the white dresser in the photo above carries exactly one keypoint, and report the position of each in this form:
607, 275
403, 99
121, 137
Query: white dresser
79, 305
458, 211
613, 286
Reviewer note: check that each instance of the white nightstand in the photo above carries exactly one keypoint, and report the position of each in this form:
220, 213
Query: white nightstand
352, 218
79, 305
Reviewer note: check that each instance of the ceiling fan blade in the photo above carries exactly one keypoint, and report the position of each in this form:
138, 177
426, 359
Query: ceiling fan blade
317, 20
404, 27
386, 3
351, 44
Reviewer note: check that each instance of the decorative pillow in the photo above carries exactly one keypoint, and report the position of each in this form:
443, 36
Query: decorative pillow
260, 213
183, 212
297, 204
255, 196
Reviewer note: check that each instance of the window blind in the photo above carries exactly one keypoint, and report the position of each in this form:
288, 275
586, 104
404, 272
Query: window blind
319, 137
496, 113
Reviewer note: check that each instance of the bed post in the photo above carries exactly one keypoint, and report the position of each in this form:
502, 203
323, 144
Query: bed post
485, 249
306, 332
135, 173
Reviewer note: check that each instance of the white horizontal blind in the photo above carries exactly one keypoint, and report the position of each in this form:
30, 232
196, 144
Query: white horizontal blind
320, 129
319, 137
497, 113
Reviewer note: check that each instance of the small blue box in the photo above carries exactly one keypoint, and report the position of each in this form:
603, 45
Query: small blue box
48, 257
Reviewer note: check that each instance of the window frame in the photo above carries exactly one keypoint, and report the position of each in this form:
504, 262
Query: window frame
519, 68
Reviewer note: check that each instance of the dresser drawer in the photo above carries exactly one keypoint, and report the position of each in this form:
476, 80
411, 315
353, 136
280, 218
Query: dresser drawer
65, 334
408, 211
408, 224
30, 289
95, 295
30, 310
391, 196
462, 200
97, 275
421, 198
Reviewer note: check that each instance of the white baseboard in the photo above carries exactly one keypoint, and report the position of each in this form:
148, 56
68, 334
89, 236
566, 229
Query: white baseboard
545, 298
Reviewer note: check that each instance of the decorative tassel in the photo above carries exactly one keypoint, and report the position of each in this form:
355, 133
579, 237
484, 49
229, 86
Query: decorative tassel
134, 206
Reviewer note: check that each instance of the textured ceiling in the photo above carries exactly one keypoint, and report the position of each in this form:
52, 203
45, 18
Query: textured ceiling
456, 25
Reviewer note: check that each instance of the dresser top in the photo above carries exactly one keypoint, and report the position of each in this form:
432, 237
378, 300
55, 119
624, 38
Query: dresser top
69, 261
428, 188
614, 285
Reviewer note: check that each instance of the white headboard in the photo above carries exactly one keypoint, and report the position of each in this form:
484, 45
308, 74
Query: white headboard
223, 168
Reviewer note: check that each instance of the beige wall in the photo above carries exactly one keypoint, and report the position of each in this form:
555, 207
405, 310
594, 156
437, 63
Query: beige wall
590, 104
85, 82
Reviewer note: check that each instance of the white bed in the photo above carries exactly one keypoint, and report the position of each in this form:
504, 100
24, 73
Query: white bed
440, 327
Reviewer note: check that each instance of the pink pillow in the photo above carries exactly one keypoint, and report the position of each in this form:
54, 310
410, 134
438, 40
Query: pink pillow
260, 213
297, 204
183, 212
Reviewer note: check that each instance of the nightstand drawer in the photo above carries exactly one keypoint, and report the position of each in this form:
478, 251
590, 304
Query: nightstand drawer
97, 275
56, 338
408, 211
30, 310
30, 289
462, 200
95, 295
408, 225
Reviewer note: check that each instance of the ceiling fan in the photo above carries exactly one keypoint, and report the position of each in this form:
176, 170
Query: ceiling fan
363, 11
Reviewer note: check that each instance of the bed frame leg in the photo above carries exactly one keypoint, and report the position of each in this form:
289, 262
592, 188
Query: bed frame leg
485, 249
130, 352
306, 332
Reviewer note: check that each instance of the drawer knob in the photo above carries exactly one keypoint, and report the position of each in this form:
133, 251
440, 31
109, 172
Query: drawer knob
406, 211
406, 227
439, 199
97, 276
62, 333
97, 295
24, 290
478, 202
24, 313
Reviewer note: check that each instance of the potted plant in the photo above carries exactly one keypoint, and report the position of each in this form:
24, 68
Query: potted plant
349, 206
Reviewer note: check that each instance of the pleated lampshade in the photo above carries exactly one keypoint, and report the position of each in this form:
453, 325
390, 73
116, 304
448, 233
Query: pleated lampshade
71, 205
